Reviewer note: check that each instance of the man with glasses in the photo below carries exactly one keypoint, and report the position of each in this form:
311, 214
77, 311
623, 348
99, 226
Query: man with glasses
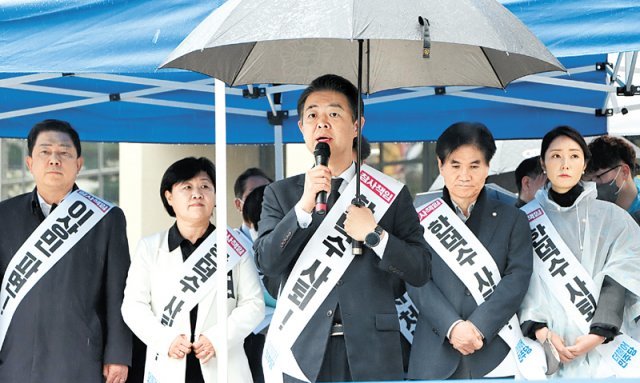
612, 167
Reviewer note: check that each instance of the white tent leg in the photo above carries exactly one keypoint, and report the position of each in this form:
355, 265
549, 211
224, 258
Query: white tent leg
222, 354
277, 138
630, 67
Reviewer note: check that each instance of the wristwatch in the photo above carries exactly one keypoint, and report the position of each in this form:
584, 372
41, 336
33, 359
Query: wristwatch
373, 239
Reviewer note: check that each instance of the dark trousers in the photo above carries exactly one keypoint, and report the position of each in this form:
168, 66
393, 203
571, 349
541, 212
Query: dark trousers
335, 366
138, 357
463, 372
253, 346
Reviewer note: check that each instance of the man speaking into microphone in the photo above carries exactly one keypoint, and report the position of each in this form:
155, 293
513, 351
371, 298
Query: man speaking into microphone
336, 318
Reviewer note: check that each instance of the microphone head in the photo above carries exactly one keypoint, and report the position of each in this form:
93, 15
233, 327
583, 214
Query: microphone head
322, 150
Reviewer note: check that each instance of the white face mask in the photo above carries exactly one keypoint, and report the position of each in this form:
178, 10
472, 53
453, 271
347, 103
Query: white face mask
254, 234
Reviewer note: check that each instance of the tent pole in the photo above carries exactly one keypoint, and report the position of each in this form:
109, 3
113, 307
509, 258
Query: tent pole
279, 150
220, 343
630, 69
275, 102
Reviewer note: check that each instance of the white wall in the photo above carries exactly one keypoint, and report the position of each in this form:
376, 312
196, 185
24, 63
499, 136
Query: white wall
299, 159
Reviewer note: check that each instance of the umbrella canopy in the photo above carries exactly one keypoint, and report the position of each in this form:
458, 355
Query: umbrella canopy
472, 42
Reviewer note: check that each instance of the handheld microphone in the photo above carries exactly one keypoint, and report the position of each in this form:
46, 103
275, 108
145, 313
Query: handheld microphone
321, 154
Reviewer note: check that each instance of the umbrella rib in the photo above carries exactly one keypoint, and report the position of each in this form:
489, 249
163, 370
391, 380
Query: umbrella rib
235, 76
492, 67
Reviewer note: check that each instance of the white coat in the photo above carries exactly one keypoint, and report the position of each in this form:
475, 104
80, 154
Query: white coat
149, 288
604, 238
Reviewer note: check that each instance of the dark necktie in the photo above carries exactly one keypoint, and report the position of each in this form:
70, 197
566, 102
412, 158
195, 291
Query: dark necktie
55, 205
335, 194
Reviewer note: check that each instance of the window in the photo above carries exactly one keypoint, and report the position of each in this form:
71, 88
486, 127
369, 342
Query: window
412, 163
99, 175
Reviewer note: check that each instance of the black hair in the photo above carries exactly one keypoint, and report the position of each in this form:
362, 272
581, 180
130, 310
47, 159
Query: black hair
335, 83
608, 151
565, 131
183, 170
529, 167
241, 181
466, 133
53, 126
252, 207
365, 147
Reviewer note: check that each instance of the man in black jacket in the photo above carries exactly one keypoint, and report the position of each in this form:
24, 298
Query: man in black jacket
68, 326
354, 334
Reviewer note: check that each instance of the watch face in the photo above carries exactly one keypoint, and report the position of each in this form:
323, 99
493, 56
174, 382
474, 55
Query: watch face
372, 239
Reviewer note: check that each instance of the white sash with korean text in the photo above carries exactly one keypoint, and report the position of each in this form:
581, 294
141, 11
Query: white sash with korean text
574, 288
198, 275
320, 265
197, 280
76, 215
461, 250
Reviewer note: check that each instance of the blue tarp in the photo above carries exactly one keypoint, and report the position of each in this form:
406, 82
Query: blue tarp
133, 37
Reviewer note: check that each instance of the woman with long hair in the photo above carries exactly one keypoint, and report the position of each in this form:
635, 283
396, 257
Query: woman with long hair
585, 285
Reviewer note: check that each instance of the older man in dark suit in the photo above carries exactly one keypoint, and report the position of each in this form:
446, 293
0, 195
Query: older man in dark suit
68, 326
354, 333
457, 338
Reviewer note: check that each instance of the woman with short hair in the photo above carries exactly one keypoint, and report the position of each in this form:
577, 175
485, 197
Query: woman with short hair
586, 251
182, 347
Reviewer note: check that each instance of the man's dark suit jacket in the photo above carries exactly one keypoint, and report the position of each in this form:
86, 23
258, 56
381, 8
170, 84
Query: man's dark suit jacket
69, 324
504, 232
366, 292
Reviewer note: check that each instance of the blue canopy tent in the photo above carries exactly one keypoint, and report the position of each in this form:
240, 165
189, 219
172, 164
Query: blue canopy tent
93, 62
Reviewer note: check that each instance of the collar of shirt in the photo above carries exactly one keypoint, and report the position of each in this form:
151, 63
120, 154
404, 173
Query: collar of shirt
347, 175
245, 230
45, 207
459, 212
176, 239
635, 205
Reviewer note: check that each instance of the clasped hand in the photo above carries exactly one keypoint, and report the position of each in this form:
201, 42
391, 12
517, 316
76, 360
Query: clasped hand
466, 338
583, 345
202, 348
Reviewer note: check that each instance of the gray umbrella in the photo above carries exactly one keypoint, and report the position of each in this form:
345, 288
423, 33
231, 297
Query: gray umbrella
377, 44
472, 42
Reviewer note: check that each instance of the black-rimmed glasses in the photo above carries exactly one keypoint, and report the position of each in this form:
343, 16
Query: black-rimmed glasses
598, 177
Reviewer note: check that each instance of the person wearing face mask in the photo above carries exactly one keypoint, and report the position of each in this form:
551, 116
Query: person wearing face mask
612, 168
585, 251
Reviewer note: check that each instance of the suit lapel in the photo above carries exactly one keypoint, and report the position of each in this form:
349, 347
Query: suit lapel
483, 221
204, 307
172, 259
174, 262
